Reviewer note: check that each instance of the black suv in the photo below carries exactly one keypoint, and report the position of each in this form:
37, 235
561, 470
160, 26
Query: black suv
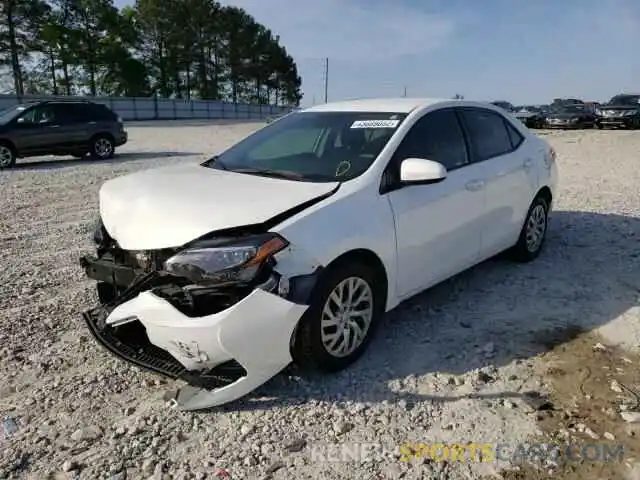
621, 111
59, 128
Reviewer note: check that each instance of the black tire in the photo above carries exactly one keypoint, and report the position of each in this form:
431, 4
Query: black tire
599, 126
102, 147
308, 350
523, 251
8, 155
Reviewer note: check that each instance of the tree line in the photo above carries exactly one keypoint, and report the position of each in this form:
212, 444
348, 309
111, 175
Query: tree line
170, 48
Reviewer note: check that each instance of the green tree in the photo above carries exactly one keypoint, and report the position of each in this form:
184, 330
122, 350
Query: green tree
18, 24
170, 48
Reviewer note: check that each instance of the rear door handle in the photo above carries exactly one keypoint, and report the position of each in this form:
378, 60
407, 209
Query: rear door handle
474, 185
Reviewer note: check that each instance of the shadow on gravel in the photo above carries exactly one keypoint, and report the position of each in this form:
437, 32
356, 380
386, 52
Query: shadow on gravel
61, 162
588, 274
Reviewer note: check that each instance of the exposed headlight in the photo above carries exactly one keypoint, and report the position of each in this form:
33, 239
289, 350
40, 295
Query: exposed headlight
629, 113
598, 112
221, 261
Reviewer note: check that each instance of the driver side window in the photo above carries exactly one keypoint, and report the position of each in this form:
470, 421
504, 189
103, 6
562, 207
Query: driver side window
39, 114
437, 136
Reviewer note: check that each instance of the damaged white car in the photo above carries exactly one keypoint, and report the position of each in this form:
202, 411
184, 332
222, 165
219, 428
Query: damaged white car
293, 243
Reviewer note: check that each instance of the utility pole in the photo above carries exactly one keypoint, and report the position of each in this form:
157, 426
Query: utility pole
326, 80
405, 91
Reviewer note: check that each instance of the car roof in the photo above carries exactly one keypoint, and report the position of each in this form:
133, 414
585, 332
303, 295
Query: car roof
382, 105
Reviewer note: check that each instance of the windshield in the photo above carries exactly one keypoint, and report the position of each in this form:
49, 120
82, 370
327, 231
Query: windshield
312, 146
572, 109
625, 100
10, 113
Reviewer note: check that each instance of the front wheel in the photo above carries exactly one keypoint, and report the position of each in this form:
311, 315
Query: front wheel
533, 232
7, 156
102, 147
339, 324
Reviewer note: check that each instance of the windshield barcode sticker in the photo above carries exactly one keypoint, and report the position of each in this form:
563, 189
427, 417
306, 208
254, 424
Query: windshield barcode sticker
375, 124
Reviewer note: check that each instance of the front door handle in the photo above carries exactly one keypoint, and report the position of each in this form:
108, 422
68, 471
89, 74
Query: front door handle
474, 185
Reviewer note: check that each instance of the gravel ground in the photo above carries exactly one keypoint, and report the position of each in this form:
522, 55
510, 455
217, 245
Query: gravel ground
449, 365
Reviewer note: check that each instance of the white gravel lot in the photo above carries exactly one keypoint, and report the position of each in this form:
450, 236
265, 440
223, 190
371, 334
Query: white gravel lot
81, 413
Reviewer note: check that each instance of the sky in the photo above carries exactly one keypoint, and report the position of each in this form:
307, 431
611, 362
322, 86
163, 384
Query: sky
523, 51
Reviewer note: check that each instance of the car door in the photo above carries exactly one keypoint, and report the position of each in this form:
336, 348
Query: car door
437, 229
72, 123
509, 174
32, 132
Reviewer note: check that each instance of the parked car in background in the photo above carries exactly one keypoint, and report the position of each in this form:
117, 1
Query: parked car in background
292, 244
571, 116
504, 105
621, 111
561, 102
60, 127
531, 116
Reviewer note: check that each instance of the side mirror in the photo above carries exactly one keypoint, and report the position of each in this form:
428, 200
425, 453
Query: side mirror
420, 171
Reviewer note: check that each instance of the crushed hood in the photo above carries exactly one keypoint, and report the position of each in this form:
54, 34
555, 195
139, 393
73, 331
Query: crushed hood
168, 207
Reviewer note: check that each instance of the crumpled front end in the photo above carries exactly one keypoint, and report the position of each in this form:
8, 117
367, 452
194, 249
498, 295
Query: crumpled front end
223, 337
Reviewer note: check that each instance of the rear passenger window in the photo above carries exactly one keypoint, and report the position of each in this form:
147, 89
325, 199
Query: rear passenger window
514, 135
488, 133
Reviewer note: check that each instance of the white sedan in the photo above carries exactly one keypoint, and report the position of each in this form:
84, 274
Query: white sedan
292, 244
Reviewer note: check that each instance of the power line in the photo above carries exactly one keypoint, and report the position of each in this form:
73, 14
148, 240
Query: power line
326, 80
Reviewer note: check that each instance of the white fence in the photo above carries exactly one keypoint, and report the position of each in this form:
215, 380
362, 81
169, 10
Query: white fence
152, 108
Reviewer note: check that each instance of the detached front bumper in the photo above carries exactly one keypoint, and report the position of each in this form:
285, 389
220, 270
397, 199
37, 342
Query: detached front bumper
224, 355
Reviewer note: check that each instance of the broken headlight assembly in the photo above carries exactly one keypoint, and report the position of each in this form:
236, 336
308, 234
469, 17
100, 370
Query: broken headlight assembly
221, 261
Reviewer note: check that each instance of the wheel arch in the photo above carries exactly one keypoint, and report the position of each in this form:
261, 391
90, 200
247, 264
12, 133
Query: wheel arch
10, 144
545, 193
366, 257
102, 134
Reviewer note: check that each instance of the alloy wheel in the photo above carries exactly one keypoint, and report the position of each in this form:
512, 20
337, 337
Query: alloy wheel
103, 147
346, 316
536, 228
6, 156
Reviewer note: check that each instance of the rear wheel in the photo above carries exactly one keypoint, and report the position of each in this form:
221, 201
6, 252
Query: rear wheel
533, 232
339, 324
102, 147
7, 156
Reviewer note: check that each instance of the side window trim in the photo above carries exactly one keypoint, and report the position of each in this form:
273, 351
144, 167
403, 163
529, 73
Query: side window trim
476, 157
511, 128
467, 140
